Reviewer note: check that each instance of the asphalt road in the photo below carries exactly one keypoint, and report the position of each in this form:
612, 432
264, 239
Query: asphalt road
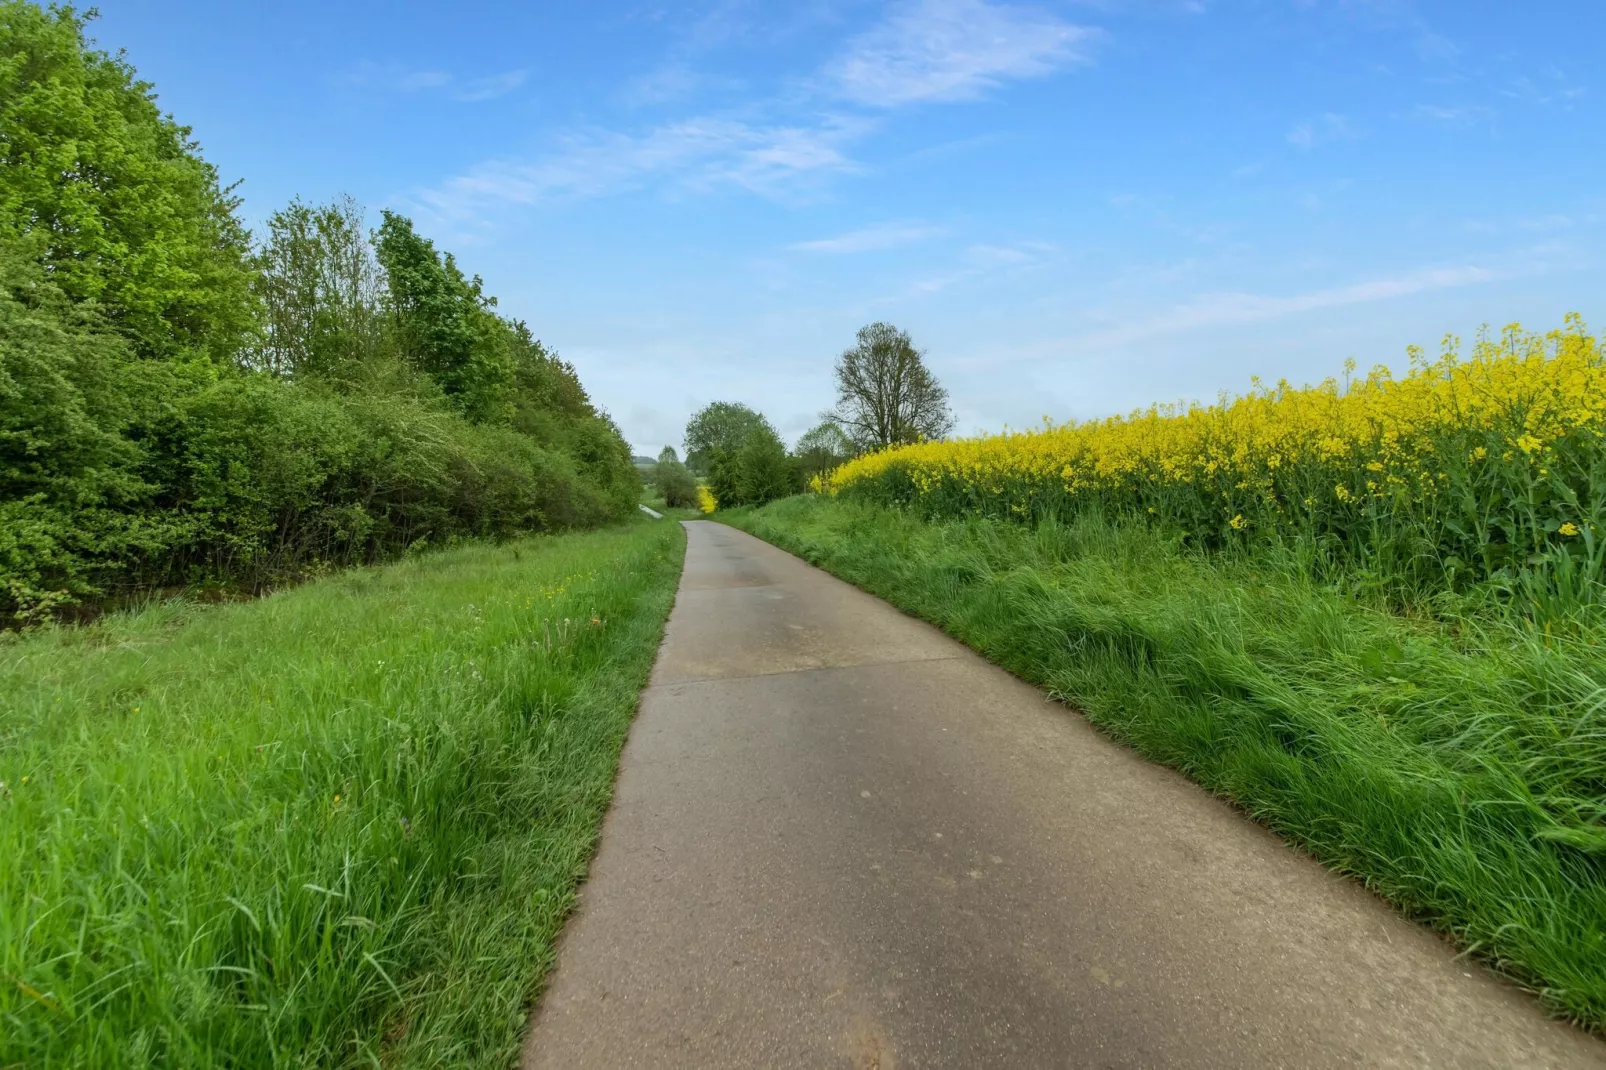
841, 839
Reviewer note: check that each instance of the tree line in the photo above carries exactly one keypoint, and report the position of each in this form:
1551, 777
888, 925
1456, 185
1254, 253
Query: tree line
886, 396
182, 402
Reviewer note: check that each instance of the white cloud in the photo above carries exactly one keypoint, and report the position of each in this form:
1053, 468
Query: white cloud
980, 260
871, 238
393, 77
1320, 130
1453, 116
945, 50
699, 153
490, 88
669, 83
1230, 309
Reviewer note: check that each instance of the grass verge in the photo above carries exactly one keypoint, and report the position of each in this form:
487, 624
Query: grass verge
338, 826
1459, 771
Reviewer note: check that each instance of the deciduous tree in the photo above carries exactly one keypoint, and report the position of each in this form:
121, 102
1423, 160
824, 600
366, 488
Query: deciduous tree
886, 396
321, 290
674, 481
718, 428
112, 197
444, 321
821, 449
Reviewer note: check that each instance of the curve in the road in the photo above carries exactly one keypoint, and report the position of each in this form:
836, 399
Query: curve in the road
841, 839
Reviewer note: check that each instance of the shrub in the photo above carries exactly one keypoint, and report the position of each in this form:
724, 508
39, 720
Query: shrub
175, 408
674, 481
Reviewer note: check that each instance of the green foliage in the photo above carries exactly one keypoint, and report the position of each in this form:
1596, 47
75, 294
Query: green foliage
154, 432
674, 481
321, 291
745, 460
1457, 769
821, 449
340, 826
763, 470
114, 197
886, 396
718, 428
444, 323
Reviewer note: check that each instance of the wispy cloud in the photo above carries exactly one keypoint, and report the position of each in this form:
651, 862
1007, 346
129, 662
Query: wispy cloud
946, 50
1324, 128
1459, 115
871, 238
1551, 87
693, 154
924, 50
395, 77
979, 260
671, 82
496, 85
1237, 308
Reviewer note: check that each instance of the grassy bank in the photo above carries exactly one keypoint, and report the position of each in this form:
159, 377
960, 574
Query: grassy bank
338, 826
1460, 771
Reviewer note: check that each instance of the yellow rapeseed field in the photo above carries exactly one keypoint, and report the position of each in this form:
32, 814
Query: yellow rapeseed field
1470, 467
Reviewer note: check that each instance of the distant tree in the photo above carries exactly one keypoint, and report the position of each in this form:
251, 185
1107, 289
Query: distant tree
886, 396
674, 481
321, 290
821, 449
764, 471
718, 429
747, 461
111, 197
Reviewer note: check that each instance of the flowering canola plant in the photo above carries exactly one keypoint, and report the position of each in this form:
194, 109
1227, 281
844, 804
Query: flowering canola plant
1465, 467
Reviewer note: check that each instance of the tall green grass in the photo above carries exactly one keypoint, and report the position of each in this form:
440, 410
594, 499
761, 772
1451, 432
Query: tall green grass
339, 826
1458, 769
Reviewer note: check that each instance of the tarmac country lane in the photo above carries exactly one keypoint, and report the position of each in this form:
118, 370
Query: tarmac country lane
839, 838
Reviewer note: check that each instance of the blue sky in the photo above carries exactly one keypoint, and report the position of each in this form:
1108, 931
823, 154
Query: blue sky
1074, 208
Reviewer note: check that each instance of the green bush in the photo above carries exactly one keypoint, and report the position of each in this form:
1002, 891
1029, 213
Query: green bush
176, 408
674, 481
124, 210
746, 461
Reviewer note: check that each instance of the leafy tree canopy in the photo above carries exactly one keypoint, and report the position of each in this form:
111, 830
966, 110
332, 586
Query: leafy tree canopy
822, 448
112, 196
719, 428
321, 290
764, 471
443, 321
886, 396
674, 481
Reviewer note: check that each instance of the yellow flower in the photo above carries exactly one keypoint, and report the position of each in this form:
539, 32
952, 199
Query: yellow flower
337, 800
1520, 406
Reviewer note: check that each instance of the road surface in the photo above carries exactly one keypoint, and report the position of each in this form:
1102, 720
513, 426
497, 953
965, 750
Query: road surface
841, 839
